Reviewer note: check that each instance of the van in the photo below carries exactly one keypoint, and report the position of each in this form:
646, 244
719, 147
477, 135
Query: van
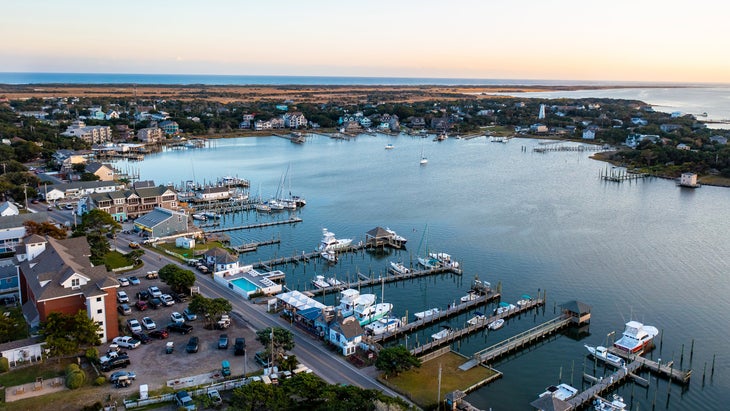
266, 379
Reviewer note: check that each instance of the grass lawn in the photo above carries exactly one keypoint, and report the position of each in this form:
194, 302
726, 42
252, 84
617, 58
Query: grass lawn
421, 384
199, 249
115, 259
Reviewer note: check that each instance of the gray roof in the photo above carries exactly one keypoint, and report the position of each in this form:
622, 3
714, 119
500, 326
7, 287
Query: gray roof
79, 185
12, 221
155, 217
576, 307
379, 232
550, 403
94, 167
220, 255
349, 327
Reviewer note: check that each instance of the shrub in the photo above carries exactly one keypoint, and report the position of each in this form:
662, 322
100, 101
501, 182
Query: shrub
75, 378
92, 354
4, 364
100, 380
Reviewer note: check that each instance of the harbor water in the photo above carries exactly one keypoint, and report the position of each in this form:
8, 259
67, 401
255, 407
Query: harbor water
644, 250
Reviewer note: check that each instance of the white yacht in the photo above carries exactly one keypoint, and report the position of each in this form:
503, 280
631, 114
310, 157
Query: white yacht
329, 255
423, 314
496, 324
470, 296
478, 318
329, 242
396, 237
445, 332
636, 337
399, 268
368, 314
383, 325
334, 282
262, 208
348, 297
444, 259
562, 392
602, 354
320, 282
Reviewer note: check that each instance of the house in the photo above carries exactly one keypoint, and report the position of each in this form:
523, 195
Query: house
668, 128
111, 115
105, 172
23, 351
345, 333
7, 209
162, 222
132, 203
277, 123
417, 122
169, 127
538, 128
682, 146
124, 132
719, 140
220, 260
57, 276
213, 194
77, 189
638, 121
688, 180
90, 134
12, 230
67, 158
40, 115
150, 134
184, 242
589, 134
295, 120
259, 125
9, 290
633, 140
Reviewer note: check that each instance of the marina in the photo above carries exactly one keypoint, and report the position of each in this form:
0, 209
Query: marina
291, 220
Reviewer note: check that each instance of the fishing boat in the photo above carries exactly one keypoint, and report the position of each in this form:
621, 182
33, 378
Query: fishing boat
470, 296
366, 315
320, 282
636, 337
399, 268
329, 255
524, 300
478, 318
389, 146
329, 242
496, 324
602, 354
200, 217
334, 282
396, 237
617, 404
383, 325
348, 297
444, 259
423, 314
443, 333
562, 391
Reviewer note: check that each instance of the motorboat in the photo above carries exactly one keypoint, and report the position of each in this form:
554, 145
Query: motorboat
562, 391
443, 333
396, 237
348, 297
504, 308
334, 282
478, 318
423, 314
444, 259
389, 146
200, 217
275, 205
524, 300
212, 215
429, 263
383, 325
470, 296
496, 324
329, 242
371, 313
616, 404
329, 255
636, 337
300, 201
263, 208
601, 353
399, 268
320, 282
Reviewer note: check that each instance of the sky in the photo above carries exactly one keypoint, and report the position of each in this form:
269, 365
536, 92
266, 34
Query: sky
617, 40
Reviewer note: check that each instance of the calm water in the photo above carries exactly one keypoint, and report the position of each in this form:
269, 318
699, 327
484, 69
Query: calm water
648, 251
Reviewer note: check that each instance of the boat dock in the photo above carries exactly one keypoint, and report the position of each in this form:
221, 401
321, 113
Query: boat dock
569, 148
292, 220
518, 341
666, 370
249, 247
294, 138
621, 176
463, 332
368, 281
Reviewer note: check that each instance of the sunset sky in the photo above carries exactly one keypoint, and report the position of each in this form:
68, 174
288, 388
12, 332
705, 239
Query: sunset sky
618, 40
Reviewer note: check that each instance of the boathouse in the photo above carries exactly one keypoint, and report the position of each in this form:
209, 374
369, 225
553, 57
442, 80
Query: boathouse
579, 312
381, 237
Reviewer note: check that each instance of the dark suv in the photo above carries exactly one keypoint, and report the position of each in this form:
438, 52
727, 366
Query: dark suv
121, 361
181, 328
223, 341
192, 345
239, 347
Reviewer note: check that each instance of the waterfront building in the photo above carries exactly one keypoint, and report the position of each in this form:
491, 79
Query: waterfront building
90, 134
12, 229
295, 120
77, 189
150, 134
213, 194
589, 133
105, 172
688, 180
132, 203
169, 127
162, 222
346, 333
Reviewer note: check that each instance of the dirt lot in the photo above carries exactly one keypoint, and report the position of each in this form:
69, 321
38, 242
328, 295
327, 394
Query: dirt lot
155, 368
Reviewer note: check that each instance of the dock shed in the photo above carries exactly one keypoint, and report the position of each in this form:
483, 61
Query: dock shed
381, 237
578, 311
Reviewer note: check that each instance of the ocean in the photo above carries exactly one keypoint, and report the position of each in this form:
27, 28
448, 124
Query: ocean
647, 250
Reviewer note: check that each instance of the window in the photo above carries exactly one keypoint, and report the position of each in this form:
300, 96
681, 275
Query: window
75, 282
98, 299
99, 311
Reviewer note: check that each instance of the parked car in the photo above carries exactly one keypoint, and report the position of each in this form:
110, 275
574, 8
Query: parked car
192, 345
124, 309
120, 361
141, 305
262, 359
134, 280
239, 347
151, 240
148, 324
142, 337
151, 275
134, 325
154, 291
143, 295
167, 299
223, 342
154, 303
189, 315
176, 317
215, 397
126, 341
123, 281
159, 334
181, 297
183, 400
180, 328
122, 297
115, 376
133, 244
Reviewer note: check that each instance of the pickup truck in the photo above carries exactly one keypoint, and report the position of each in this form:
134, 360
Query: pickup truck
180, 328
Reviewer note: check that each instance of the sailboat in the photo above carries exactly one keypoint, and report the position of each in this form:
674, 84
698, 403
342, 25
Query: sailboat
427, 262
424, 160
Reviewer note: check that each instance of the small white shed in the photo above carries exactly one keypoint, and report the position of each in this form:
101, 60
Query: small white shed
184, 242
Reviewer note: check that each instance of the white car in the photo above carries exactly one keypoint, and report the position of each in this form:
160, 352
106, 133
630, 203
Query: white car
122, 297
154, 291
167, 299
127, 342
148, 324
176, 317
123, 281
134, 325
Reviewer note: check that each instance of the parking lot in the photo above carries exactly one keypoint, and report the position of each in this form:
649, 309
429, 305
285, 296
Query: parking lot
155, 367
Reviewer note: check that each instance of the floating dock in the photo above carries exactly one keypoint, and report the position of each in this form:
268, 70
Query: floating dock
292, 220
463, 332
249, 247
368, 281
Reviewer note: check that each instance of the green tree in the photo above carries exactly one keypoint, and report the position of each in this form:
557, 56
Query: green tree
209, 308
283, 340
79, 167
75, 377
395, 360
259, 396
67, 334
179, 279
95, 225
45, 229
89, 177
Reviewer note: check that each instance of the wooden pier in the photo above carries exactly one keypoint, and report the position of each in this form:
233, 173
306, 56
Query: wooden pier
463, 332
621, 176
249, 247
518, 341
569, 148
666, 369
292, 220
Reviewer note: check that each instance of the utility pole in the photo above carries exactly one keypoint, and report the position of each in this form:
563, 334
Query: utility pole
25, 191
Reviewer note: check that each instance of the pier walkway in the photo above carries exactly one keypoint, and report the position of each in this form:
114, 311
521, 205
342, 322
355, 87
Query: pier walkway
518, 341
603, 385
249, 247
569, 148
666, 370
292, 220
463, 332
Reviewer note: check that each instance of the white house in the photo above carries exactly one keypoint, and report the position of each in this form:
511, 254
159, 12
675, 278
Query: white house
221, 260
682, 146
688, 180
346, 333
214, 194
7, 208
184, 242
589, 134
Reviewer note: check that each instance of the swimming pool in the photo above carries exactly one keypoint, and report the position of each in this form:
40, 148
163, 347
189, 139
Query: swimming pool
245, 285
